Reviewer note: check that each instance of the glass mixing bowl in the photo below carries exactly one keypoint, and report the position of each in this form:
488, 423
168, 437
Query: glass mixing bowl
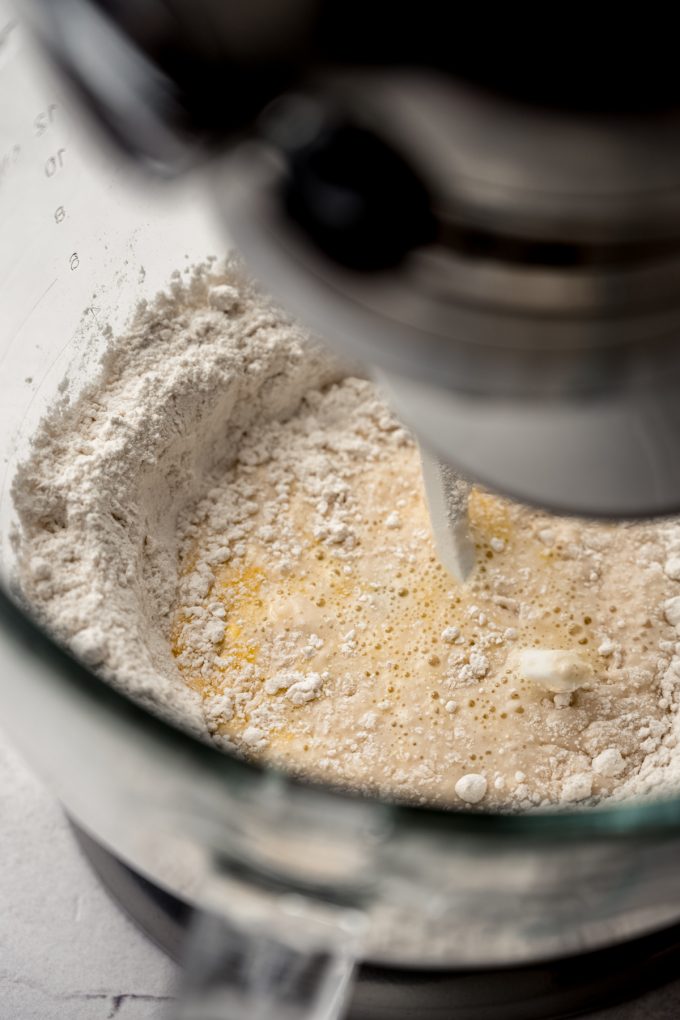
298, 880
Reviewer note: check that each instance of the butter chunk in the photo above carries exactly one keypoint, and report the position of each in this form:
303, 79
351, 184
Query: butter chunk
555, 670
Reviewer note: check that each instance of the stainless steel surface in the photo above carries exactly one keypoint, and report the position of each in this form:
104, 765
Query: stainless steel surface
447, 501
598, 432
554, 382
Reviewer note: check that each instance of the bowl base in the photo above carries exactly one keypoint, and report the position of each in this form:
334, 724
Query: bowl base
593, 986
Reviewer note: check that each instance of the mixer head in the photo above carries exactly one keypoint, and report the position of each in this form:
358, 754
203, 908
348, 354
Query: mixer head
492, 223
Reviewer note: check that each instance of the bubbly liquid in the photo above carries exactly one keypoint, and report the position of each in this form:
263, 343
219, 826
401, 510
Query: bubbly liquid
406, 707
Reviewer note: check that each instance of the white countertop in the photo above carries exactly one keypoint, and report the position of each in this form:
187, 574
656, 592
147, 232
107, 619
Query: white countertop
66, 951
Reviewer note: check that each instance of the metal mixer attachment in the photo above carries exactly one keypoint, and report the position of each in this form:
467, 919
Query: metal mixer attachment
447, 500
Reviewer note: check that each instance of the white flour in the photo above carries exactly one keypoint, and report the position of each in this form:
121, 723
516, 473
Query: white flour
99, 497
121, 481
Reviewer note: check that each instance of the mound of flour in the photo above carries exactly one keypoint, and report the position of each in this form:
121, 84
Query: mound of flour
109, 474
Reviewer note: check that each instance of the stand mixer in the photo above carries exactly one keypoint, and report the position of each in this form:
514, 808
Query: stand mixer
507, 261
492, 223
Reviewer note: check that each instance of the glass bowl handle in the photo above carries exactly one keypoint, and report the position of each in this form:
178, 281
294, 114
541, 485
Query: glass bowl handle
259, 954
